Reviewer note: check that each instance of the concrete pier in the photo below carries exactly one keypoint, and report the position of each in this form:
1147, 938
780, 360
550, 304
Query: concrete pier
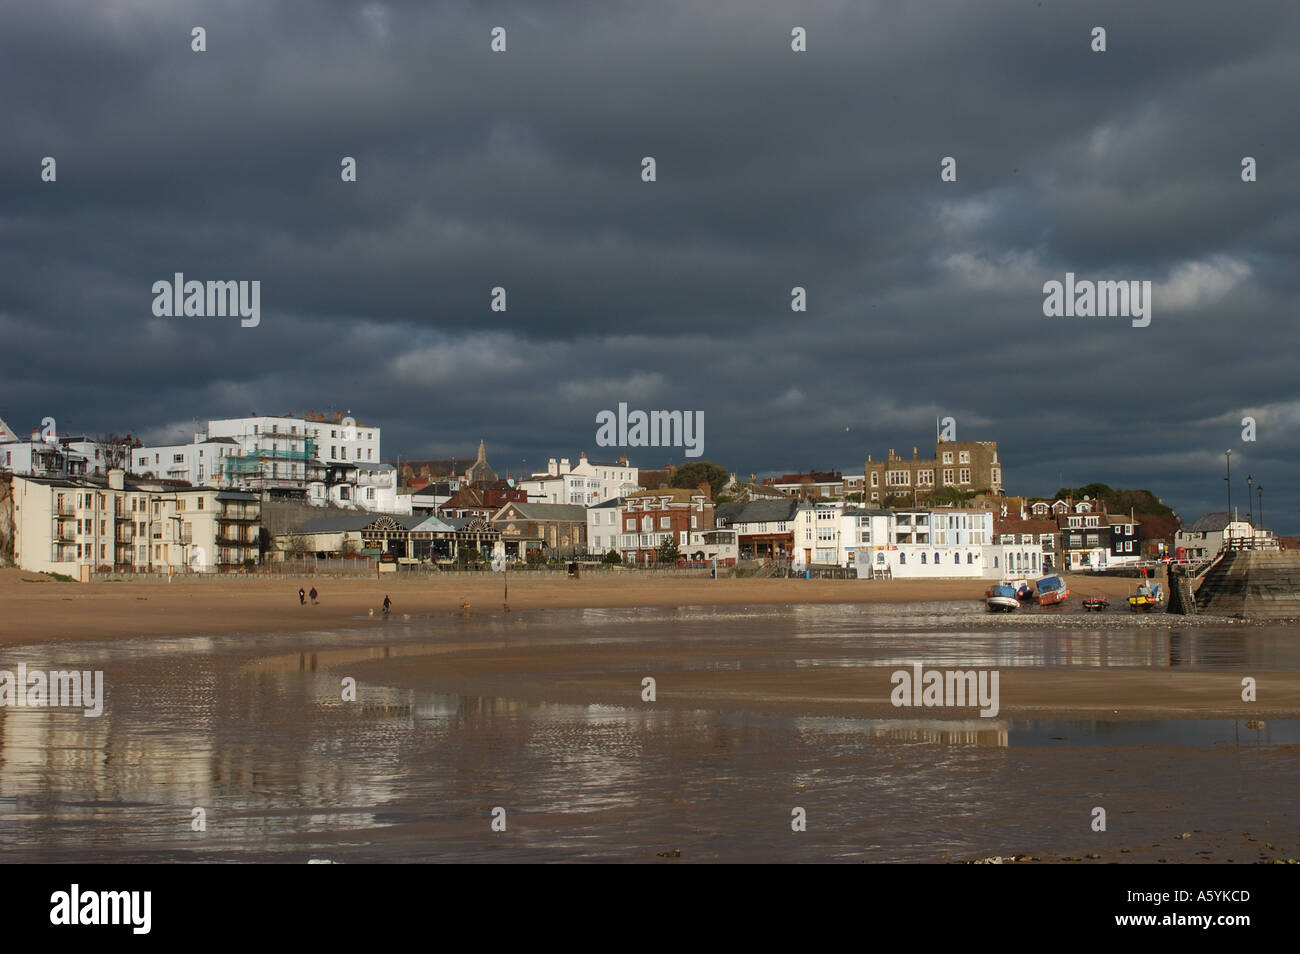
1254, 584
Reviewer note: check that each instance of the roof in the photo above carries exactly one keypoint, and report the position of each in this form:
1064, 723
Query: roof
606, 504
1217, 520
1016, 525
867, 511
358, 521
678, 494
756, 511
547, 511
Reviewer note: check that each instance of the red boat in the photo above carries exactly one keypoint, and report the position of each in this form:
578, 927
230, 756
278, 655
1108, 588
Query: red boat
1052, 590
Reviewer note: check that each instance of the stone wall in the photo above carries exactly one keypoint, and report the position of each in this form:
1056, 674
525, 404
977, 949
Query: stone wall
1255, 584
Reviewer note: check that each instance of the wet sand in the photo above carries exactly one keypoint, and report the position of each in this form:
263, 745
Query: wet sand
770, 695
758, 711
38, 609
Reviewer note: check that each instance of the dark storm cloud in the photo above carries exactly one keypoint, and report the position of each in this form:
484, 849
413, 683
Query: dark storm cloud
775, 169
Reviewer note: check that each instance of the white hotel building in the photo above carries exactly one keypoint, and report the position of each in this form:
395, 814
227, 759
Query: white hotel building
586, 483
941, 543
315, 459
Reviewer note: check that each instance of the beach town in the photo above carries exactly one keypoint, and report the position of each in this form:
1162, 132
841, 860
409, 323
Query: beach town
314, 493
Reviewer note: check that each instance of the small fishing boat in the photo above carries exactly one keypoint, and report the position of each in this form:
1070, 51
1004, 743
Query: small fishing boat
1095, 604
1147, 597
1002, 599
1024, 592
1052, 591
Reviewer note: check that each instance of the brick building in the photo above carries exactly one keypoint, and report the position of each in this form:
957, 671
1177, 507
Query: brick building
964, 465
650, 517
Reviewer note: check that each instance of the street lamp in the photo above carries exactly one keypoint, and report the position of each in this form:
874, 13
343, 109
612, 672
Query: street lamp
1228, 478
1250, 516
1259, 488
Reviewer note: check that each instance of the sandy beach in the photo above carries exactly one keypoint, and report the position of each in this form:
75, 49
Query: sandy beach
40, 609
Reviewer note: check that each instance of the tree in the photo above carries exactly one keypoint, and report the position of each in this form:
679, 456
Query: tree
114, 451
668, 552
689, 476
613, 556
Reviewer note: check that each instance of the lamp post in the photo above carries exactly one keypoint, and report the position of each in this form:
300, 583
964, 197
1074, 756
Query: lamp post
1259, 489
1250, 516
1228, 478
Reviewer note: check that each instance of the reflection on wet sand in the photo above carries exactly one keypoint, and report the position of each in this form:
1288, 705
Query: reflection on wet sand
255, 730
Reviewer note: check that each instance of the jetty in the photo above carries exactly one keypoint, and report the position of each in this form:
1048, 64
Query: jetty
1245, 583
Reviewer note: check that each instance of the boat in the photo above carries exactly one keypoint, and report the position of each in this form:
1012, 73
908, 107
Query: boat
1001, 598
1095, 604
1024, 593
1147, 597
1052, 590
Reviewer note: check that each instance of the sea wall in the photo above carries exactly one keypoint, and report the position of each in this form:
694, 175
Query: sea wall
1255, 584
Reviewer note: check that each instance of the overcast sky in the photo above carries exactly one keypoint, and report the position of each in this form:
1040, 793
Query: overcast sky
522, 169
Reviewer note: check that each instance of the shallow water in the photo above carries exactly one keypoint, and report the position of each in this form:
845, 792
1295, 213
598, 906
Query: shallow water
253, 730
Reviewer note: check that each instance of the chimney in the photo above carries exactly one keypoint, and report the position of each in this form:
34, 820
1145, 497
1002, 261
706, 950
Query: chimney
36, 434
623, 461
868, 458
705, 489
115, 481
564, 465
551, 467
584, 455
914, 453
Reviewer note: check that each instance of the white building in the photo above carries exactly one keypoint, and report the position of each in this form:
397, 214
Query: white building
1205, 538
39, 458
78, 525
941, 543
602, 526
586, 483
335, 439
200, 462
817, 532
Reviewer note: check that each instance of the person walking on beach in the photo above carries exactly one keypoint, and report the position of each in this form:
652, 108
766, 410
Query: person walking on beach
302, 596
387, 604
313, 594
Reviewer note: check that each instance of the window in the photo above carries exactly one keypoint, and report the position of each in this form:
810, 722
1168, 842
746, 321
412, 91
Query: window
898, 478
936, 559
970, 559
178, 458
963, 457
199, 504
875, 478
902, 557
947, 457
665, 523
947, 474
965, 475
